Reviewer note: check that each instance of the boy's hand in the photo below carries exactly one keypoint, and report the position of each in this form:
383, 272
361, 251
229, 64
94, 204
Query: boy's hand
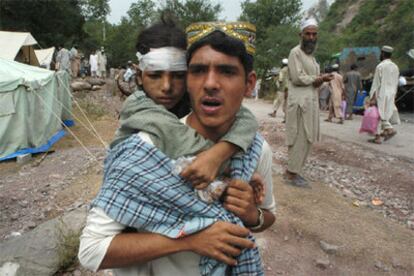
257, 184
202, 171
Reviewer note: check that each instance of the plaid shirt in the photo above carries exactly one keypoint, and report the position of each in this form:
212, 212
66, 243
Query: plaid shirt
141, 191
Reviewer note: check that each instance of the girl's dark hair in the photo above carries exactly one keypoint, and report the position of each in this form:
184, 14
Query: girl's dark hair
226, 45
164, 33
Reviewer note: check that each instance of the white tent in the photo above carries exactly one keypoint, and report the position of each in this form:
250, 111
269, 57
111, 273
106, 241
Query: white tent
18, 46
45, 56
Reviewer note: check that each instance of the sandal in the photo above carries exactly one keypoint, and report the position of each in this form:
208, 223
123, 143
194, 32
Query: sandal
328, 120
375, 141
388, 136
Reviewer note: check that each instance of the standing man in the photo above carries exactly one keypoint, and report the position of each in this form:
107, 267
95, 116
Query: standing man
282, 90
74, 61
383, 90
63, 59
302, 120
93, 62
353, 85
337, 95
220, 74
102, 63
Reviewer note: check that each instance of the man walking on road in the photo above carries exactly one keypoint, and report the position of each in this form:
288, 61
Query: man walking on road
337, 95
383, 90
353, 85
302, 120
282, 90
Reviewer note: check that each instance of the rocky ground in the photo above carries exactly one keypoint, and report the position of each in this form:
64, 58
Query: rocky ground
357, 219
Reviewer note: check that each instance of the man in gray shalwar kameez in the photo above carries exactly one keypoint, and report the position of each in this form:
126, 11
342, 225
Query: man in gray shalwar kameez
353, 84
63, 60
302, 120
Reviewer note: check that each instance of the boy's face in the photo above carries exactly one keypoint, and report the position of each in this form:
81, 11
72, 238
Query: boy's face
216, 83
163, 87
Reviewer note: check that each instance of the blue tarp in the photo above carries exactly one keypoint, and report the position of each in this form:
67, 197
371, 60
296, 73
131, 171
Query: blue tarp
43, 148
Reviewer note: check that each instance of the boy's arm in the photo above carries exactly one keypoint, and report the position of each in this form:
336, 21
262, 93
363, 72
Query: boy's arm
243, 129
205, 167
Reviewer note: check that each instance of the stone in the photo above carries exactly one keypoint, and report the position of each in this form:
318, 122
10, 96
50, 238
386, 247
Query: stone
286, 238
14, 216
9, 268
80, 85
24, 203
24, 158
328, 248
323, 263
397, 264
382, 267
96, 87
31, 225
35, 252
95, 81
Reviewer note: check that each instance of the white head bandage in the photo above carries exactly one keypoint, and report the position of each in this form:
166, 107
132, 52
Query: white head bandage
308, 22
163, 59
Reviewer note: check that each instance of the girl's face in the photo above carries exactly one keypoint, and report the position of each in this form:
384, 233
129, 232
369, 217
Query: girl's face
163, 87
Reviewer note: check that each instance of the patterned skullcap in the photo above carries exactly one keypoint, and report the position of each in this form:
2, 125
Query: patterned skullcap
244, 31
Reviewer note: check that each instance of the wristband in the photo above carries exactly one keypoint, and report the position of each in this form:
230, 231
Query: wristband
261, 220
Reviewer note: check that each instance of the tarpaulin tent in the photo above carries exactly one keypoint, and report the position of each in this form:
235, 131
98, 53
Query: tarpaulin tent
45, 56
33, 104
18, 46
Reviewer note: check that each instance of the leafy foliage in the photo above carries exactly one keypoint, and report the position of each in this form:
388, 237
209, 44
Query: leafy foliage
95, 9
50, 22
192, 11
275, 22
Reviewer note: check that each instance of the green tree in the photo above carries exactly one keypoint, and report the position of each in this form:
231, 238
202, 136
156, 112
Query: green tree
142, 13
50, 22
121, 41
267, 13
190, 11
275, 22
95, 9
279, 40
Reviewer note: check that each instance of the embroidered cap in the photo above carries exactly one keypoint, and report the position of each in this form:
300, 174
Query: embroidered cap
244, 31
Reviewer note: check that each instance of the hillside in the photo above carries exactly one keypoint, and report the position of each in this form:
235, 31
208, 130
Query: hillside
357, 23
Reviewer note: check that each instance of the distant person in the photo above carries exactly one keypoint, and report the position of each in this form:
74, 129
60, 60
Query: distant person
353, 85
282, 90
84, 67
130, 72
93, 62
74, 61
337, 95
102, 61
63, 59
256, 89
302, 117
325, 92
126, 79
383, 90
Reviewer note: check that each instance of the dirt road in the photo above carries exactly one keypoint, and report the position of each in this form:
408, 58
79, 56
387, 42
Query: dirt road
362, 239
